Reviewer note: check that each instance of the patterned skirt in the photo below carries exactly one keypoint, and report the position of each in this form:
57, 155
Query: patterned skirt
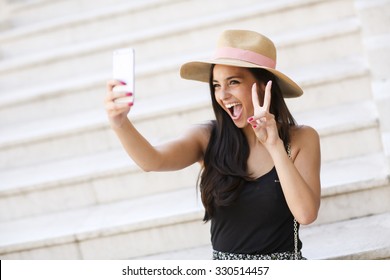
273, 256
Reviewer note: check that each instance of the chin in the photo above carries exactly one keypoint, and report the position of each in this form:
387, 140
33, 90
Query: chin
240, 124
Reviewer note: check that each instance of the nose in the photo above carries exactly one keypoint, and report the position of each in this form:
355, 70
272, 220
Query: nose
223, 93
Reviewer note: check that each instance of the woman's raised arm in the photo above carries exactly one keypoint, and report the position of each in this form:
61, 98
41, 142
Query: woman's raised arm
173, 155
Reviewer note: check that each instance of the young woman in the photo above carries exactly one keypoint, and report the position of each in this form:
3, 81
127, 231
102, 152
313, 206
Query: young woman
260, 171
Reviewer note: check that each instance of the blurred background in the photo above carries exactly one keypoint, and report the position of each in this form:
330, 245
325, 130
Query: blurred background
69, 191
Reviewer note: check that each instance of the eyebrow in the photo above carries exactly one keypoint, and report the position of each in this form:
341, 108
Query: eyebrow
231, 77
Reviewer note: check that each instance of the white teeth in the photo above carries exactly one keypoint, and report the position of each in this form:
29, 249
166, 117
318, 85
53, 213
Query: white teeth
232, 105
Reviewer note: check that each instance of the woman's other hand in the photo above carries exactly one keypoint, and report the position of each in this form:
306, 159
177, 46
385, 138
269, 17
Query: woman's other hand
263, 122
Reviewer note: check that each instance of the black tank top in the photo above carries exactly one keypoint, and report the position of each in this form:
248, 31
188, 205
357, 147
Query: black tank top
258, 222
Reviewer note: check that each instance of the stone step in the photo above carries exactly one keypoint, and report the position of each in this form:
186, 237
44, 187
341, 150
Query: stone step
375, 16
331, 84
378, 54
353, 188
352, 239
386, 145
346, 240
345, 130
32, 12
88, 57
128, 18
88, 132
116, 231
83, 182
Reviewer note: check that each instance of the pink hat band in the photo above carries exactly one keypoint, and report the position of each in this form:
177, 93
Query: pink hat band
245, 55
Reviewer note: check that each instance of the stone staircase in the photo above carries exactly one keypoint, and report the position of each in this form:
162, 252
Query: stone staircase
69, 191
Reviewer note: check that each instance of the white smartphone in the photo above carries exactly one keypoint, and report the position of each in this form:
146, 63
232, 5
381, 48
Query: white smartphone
123, 66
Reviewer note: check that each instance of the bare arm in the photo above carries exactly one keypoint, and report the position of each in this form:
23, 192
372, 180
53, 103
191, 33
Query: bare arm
173, 155
300, 178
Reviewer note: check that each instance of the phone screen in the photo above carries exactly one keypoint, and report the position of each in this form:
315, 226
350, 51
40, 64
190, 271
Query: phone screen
123, 67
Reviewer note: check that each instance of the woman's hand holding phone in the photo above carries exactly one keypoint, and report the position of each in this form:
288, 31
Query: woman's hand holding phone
117, 111
120, 90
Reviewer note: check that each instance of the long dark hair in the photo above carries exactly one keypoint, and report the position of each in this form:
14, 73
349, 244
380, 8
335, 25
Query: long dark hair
225, 168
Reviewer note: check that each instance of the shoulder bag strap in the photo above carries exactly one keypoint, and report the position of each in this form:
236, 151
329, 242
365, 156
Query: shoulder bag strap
288, 148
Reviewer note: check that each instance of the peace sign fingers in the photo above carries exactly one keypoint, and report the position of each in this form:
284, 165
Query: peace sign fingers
261, 111
263, 122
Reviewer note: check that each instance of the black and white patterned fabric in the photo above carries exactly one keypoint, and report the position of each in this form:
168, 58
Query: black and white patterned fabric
274, 256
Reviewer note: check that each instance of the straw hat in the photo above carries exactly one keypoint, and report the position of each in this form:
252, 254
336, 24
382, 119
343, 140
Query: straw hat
242, 48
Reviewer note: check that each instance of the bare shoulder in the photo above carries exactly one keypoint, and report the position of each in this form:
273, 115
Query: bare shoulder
304, 133
200, 130
304, 138
200, 133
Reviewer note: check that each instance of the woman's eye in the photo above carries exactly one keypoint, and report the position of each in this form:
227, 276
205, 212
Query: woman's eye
216, 85
234, 82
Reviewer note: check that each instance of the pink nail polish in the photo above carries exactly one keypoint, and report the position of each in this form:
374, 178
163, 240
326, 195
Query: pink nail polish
130, 104
123, 83
250, 119
255, 126
129, 94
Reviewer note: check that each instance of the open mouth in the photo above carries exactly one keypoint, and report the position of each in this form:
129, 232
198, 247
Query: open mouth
235, 109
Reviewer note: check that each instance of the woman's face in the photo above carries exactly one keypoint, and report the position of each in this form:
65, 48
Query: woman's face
233, 92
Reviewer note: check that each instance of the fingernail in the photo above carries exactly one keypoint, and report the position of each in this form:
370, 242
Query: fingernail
123, 83
130, 104
250, 119
255, 126
129, 94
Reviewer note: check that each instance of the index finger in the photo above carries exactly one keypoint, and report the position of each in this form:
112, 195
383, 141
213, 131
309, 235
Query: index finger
112, 83
255, 97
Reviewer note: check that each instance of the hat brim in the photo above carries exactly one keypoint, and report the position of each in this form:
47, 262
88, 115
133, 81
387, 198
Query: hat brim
200, 71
